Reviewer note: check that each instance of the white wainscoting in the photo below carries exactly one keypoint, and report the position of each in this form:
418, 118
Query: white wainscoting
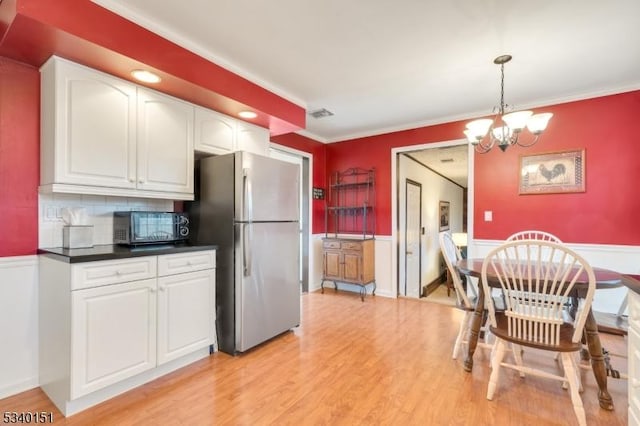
624, 259
383, 253
18, 324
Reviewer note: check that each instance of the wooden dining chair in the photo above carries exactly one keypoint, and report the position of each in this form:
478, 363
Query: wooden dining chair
546, 272
465, 302
534, 235
531, 234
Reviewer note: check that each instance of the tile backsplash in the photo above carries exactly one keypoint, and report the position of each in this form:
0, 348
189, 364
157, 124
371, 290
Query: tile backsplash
99, 211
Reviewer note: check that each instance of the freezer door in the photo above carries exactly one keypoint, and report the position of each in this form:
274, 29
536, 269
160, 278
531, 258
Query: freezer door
266, 189
267, 281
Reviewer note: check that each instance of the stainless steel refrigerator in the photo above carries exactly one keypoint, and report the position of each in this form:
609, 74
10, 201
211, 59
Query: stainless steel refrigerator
249, 206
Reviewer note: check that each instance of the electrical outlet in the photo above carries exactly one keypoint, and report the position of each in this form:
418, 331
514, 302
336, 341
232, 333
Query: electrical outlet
50, 213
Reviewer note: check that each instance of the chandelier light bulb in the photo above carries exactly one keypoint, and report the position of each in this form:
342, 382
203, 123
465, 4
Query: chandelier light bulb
517, 120
479, 128
538, 123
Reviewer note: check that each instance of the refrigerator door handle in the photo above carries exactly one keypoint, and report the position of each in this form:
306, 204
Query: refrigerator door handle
246, 249
248, 195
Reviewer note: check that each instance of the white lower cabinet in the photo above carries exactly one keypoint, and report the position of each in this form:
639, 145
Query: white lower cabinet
634, 358
185, 322
109, 326
113, 334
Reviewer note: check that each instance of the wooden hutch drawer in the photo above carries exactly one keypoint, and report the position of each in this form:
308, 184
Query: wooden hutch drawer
348, 245
331, 244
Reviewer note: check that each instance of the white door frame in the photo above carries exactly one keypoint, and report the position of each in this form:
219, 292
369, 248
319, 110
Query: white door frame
309, 206
418, 185
394, 199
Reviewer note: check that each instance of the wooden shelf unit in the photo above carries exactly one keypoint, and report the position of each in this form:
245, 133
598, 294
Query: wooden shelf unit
350, 205
348, 249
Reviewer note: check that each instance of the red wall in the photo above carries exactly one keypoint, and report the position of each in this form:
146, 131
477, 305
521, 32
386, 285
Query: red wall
605, 214
604, 127
375, 151
19, 158
319, 177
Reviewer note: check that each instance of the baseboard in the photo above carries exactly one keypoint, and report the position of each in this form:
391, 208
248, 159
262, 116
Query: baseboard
352, 288
16, 388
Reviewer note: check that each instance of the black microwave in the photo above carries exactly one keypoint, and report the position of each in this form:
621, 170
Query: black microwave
138, 227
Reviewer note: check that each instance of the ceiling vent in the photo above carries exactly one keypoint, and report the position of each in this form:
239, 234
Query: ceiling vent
320, 113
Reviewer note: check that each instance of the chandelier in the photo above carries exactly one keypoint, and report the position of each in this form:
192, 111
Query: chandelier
504, 130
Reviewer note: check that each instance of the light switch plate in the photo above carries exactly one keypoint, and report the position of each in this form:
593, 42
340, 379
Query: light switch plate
488, 216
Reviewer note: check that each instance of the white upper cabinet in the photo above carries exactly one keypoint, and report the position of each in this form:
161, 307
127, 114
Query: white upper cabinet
105, 136
252, 138
215, 132
88, 123
165, 143
220, 134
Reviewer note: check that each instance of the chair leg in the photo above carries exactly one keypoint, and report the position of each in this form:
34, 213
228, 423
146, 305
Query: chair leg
461, 335
571, 375
517, 355
496, 359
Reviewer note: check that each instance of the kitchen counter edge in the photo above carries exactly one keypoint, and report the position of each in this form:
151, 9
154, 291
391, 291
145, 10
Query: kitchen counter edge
110, 252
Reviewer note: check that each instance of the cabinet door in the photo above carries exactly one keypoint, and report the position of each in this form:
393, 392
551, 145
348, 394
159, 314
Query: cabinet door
332, 261
252, 138
165, 143
352, 266
88, 127
214, 133
113, 334
186, 313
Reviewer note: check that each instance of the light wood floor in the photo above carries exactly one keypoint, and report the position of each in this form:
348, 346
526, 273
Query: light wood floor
383, 361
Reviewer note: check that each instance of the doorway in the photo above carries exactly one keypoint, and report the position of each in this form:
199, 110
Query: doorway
442, 169
412, 246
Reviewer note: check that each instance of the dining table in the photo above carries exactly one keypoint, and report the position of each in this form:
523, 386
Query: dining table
605, 279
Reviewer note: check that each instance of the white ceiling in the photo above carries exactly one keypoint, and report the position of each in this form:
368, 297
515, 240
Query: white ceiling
450, 162
382, 65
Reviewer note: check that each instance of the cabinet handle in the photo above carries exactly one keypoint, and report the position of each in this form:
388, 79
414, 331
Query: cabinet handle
152, 289
140, 180
163, 288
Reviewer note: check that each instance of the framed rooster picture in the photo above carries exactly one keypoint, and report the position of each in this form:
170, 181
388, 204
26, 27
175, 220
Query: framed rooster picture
552, 172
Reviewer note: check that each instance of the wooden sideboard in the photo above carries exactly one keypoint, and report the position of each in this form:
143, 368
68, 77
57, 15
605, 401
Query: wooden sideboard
349, 261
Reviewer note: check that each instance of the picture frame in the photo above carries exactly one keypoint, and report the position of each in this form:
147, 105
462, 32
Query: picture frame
443, 216
552, 172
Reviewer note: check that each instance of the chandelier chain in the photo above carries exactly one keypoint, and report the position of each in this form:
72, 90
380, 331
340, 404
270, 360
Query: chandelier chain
501, 90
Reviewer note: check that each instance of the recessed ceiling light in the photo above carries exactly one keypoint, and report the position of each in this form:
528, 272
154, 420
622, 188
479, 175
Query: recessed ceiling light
145, 76
247, 114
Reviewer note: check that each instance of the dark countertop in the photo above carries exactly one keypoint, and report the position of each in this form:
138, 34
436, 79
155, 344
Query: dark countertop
632, 282
112, 251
